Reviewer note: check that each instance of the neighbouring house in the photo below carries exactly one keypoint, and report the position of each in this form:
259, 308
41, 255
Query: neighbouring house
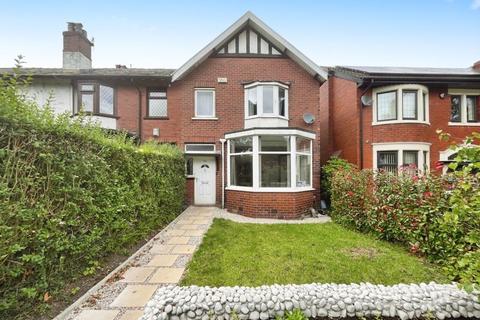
256, 118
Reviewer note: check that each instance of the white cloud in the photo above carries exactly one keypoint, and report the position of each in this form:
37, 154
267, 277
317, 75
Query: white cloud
476, 4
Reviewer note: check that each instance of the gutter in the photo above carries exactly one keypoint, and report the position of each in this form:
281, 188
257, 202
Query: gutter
360, 138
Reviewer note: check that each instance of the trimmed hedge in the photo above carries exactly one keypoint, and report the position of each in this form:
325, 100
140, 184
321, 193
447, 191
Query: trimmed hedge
71, 194
433, 215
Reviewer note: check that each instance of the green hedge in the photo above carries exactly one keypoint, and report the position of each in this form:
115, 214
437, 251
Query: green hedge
437, 216
71, 194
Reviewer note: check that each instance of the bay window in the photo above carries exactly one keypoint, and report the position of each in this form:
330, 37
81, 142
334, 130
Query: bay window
400, 103
410, 157
267, 161
266, 99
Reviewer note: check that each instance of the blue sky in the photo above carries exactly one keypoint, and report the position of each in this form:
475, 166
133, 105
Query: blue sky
164, 34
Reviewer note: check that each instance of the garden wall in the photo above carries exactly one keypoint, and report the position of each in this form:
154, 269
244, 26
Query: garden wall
71, 194
314, 300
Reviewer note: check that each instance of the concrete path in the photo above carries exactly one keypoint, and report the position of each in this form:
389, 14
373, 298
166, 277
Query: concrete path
123, 294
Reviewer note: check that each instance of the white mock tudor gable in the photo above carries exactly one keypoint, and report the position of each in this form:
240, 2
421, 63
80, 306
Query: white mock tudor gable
270, 38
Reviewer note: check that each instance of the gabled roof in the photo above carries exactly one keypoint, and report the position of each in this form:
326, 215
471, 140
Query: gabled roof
250, 19
97, 72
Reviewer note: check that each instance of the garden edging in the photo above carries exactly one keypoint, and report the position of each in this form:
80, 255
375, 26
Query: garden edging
314, 300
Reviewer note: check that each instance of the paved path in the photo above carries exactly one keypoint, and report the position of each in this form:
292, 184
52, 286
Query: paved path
162, 261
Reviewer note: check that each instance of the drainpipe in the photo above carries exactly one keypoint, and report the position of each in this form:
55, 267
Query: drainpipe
222, 141
361, 122
139, 124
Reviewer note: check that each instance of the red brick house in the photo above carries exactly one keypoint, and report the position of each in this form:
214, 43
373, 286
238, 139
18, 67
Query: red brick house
256, 117
385, 117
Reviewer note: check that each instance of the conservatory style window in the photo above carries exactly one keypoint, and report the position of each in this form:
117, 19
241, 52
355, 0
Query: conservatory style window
400, 103
266, 99
270, 162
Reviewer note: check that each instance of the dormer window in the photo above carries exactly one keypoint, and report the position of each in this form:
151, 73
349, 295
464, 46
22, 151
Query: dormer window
266, 99
401, 103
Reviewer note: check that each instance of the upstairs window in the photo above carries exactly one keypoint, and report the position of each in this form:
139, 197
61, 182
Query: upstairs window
157, 103
205, 103
387, 106
401, 103
95, 98
464, 107
266, 99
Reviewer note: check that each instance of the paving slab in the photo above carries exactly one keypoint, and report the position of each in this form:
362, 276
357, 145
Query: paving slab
134, 296
178, 240
131, 315
137, 274
97, 314
161, 248
167, 275
163, 260
183, 249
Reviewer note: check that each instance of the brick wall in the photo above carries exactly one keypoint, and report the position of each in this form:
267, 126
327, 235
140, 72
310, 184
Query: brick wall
189, 191
280, 205
344, 121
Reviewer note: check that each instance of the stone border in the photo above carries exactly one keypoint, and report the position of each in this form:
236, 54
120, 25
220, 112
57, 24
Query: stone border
314, 300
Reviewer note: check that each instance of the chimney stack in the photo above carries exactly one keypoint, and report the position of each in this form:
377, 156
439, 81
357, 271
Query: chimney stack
476, 65
77, 49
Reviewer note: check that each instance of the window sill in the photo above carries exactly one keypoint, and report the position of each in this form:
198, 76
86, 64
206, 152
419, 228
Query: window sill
379, 123
464, 124
189, 176
267, 116
156, 118
204, 118
271, 190
89, 114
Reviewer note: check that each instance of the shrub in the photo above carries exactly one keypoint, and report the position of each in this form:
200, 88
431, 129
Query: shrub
333, 165
434, 215
69, 195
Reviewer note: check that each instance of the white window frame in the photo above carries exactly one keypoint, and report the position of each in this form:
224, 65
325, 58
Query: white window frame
200, 152
276, 102
463, 106
400, 147
422, 109
256, 133
203, 117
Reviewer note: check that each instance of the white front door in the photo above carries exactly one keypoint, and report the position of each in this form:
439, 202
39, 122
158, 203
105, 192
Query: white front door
204, 172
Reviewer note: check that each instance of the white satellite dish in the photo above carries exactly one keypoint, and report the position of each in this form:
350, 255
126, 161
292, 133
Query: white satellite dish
308, 118
366, 100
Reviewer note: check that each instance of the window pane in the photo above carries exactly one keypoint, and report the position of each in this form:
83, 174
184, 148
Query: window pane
106, 100
189, 166
281, 101
409, 105
410, 157
157, 108
425, 97
303, 171
87, 87
241, 170
157, 94
303, 145
388, 161
387, 106
241, 145
456, 114
200, 147
205, 103
267, 99
275, 170
252, 101
275, 143
471, 108
425, 161
86, 102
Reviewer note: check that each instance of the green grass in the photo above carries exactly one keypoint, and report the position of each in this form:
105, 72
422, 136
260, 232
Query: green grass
251, 255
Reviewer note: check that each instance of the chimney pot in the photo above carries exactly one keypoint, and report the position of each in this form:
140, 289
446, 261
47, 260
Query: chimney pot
77, 49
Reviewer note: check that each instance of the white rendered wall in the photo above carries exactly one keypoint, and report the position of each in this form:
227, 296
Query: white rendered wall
58, 92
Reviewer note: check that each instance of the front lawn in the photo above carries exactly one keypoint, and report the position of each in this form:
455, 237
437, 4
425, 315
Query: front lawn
251, 255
